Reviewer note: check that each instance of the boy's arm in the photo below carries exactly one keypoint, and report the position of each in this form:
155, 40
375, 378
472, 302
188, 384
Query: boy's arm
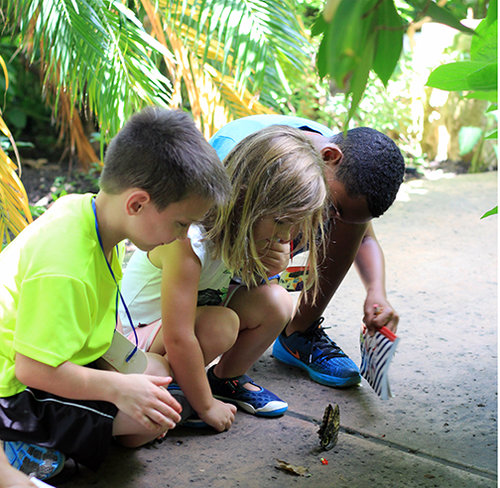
370, 264
342, 244
181, 271
139, 396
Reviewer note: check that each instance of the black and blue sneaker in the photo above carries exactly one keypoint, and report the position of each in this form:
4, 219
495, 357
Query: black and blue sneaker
189, 418
41, 462
262, 403
314, 352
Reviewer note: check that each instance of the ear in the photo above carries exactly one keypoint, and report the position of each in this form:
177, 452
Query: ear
136, 200
331, 154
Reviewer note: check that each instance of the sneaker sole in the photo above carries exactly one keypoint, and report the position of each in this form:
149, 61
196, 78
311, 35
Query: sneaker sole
284, 356
11, 449
272, 409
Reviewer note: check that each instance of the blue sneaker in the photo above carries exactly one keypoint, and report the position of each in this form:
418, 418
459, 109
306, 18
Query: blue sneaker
314, 352
41, 462
262, 403
189, 418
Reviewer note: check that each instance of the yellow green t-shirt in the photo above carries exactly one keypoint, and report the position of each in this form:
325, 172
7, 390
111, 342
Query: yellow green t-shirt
57, 296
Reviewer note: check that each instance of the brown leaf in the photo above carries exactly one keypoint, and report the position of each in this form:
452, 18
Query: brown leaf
290, 468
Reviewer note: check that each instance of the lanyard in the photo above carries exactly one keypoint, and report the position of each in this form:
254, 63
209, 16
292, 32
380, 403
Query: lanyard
129, 357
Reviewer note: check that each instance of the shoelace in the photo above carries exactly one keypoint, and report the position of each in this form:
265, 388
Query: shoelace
319, 339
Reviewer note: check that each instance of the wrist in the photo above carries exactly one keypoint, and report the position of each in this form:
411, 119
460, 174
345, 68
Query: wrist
205, 407
375, 290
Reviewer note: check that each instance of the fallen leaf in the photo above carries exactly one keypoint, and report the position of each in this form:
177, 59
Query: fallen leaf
290, 468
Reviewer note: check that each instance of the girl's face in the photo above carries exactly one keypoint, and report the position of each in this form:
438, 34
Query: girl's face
270, 229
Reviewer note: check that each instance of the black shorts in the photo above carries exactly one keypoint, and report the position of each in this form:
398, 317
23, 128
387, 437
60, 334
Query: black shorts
80, 429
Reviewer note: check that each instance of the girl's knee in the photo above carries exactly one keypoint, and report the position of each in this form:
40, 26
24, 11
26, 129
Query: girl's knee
278, 303
218, 329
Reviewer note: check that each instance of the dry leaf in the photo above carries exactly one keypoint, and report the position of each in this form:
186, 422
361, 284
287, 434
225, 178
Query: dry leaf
290, 468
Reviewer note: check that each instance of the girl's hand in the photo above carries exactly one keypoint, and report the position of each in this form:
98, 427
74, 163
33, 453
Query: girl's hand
220, 415
275, 255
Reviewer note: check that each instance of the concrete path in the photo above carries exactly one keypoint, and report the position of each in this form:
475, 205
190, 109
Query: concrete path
440, 429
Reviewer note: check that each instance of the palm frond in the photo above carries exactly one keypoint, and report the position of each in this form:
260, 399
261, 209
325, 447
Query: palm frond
14, 209
253, 41
97, 52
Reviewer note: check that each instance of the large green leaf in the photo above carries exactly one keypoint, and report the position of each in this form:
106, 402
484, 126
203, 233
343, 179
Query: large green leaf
484, 78
345, 37
490, 96
390, 32
492, 13
484, 46
360, 76
438, 14
453, 76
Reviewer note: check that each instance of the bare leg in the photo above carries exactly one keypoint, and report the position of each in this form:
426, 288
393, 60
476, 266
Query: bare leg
216, 328
263, 311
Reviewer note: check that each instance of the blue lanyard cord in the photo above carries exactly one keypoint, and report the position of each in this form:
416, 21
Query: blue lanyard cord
129, 357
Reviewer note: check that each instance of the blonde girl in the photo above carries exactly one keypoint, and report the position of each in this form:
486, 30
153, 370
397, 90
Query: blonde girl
180, 296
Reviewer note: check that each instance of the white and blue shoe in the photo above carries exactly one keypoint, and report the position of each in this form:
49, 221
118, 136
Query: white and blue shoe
262, 403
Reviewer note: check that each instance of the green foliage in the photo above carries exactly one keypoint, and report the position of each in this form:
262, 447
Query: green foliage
366, 35
23, 111
37, 210
468, 137
97, 52
478, 76
386, 109
260, 44
100, 52
493, 211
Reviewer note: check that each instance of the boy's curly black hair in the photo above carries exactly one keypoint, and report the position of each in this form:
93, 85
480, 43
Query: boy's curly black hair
372, 166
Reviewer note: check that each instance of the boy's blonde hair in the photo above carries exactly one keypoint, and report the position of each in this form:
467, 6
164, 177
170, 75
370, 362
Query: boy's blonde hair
275, 172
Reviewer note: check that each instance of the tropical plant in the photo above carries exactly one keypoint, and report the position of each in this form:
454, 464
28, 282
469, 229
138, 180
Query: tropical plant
477, 76
212, 57
220, 59
232, 58
367, 35
14, 209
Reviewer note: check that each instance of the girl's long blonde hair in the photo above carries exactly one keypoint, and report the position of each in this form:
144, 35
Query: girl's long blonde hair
275, 172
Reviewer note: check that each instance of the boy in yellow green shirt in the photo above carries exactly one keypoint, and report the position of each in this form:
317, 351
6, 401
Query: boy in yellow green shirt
58, 298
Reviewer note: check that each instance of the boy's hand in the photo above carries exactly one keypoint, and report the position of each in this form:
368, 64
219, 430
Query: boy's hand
378, 313
143, 398
275, 255
220, 415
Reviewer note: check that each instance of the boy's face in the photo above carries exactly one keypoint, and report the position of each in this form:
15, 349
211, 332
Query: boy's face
346, 208
155, 228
